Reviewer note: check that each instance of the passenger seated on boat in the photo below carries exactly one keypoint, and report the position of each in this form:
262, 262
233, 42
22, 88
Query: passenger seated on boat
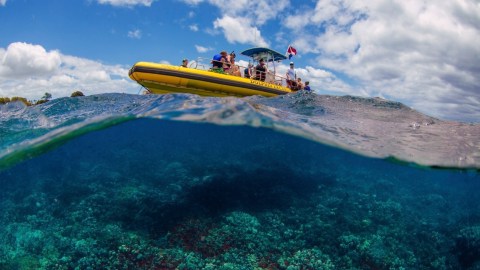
260, 70
299, 84
307, 86
296, 85
247, 72
292, 85
219, 62
228, 64
185, 63
234, 69
231, 56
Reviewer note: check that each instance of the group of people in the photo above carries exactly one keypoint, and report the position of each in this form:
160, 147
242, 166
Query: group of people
225, 63
294, 82
257, 73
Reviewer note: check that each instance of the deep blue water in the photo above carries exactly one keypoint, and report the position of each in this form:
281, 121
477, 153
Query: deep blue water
182, 182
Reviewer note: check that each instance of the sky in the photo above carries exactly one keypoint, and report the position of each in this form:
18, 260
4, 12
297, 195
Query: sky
423, 53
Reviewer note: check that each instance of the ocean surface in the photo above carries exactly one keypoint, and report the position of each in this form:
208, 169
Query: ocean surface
301, 181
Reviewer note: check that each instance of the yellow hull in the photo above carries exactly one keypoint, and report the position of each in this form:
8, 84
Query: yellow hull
162, 79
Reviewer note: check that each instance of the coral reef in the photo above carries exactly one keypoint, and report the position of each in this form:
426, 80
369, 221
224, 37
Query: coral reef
112, 200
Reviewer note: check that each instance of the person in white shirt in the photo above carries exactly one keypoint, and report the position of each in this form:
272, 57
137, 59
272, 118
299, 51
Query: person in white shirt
291, 77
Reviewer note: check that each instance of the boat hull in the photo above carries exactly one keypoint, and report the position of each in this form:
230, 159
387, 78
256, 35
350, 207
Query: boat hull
163, 79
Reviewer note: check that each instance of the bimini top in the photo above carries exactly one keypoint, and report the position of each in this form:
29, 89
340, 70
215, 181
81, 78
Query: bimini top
265, 53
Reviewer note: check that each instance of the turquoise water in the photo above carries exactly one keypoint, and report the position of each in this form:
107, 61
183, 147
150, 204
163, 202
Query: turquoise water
301, 181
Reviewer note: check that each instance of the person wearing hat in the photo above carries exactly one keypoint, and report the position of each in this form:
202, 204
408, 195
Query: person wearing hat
260, 70
185, 62
291, 77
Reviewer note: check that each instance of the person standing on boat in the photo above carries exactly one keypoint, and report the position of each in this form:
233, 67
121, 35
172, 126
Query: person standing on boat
291, 77
260, 70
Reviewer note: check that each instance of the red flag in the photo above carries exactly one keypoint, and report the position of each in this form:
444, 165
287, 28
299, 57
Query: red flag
291, 52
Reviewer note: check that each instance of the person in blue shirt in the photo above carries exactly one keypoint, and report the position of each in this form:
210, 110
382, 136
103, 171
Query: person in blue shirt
307, 86
219, 62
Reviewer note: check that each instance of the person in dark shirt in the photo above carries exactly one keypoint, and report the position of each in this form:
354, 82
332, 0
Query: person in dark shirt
248, 71
260, 71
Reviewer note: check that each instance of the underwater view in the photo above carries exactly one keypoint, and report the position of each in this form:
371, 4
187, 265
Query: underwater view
300, 181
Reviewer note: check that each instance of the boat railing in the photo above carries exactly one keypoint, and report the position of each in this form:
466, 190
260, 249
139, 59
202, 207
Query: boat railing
202, 63
269, 76
199, 63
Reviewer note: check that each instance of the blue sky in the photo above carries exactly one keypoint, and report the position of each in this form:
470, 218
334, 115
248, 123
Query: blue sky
424, 54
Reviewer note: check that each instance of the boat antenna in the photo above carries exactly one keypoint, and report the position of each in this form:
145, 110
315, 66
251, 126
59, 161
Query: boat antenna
254, 29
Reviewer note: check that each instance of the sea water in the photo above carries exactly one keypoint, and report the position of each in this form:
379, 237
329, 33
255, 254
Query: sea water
300, 181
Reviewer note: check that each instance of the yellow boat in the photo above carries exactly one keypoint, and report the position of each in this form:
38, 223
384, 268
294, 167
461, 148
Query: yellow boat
162, 78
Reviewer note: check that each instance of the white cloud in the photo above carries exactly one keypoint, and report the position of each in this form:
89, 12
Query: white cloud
202, 49
3, 2
260, 11
321, 80
135, 34
126, 3
422, 53
62, 79
29, 71
22, 59
193, 27
298, 21
241, 19
192, 2
239, 30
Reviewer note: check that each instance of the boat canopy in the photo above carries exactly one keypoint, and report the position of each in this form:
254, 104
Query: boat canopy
265, 53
